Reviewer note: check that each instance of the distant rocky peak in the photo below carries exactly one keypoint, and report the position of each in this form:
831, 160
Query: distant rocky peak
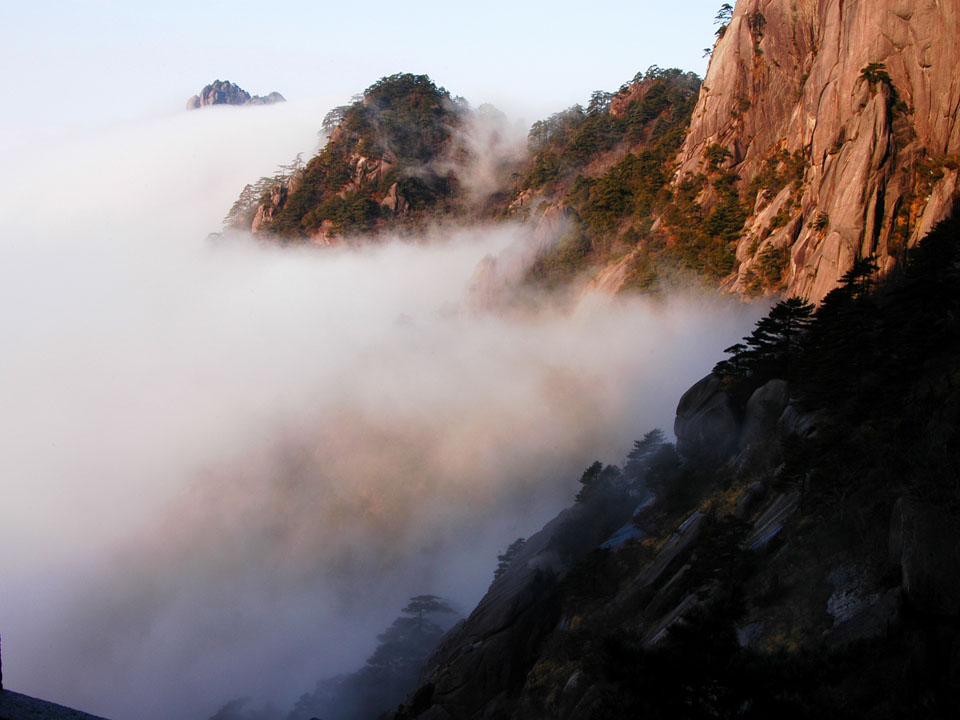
224, 92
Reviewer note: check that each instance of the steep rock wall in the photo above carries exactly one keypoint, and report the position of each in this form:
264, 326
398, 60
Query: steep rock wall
879, 144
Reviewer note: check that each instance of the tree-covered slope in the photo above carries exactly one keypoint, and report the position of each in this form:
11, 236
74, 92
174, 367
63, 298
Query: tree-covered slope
608, 168
386, 163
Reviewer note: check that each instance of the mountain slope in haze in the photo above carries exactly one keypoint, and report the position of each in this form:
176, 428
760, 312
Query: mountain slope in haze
801, 558
824, 132
389, 162
224, 92
405, 154
606, 169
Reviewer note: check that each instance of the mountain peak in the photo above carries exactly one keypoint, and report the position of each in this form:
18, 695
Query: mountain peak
224, 92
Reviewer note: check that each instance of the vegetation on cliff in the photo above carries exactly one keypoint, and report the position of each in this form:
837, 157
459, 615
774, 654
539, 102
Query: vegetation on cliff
823, 119
770, 177
610, 165
381, 166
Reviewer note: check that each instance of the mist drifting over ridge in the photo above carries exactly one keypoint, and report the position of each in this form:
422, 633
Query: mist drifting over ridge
227, 465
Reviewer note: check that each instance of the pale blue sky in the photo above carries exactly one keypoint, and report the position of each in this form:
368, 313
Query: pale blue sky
68, 63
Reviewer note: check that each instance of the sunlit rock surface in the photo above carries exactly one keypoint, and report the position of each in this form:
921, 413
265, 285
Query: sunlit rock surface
880, 143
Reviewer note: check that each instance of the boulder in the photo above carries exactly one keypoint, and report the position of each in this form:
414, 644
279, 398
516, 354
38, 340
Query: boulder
764, 408
925, 543
573, 692
760, 445
706, 425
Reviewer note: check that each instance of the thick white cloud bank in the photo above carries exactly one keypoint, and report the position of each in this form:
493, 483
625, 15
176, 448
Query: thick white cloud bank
225, 465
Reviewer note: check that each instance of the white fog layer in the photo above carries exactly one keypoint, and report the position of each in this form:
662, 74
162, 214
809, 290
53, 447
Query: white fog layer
227, 465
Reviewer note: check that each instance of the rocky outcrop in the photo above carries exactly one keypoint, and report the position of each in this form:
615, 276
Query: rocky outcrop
493, 648
635, 90
876, 617
706, 425
792, 573
370, 171
365, 172
760, 436
386, 165
274, 200
840, 118
394, 201
653, 589
223, 92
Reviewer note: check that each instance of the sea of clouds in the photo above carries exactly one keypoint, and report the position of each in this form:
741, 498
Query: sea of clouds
226, 464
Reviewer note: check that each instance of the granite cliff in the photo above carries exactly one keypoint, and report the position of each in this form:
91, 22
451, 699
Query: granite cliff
840, 119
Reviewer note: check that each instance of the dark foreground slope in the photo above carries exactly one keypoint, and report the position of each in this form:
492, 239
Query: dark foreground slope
802, 558
14, 706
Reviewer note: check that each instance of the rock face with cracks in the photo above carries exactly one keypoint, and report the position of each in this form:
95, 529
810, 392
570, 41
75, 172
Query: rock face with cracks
861, 99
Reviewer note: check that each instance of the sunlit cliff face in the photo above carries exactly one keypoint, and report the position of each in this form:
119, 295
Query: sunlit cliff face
226, 465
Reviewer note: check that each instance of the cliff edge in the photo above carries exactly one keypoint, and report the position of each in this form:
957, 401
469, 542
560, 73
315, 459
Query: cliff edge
839, 118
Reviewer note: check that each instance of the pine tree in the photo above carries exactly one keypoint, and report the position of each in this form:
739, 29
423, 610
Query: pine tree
638, 459
506, 557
